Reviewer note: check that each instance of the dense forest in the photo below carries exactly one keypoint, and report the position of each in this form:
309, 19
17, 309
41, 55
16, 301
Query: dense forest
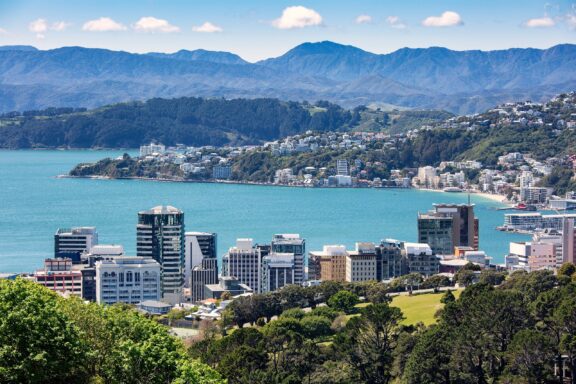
195, 122
501, 329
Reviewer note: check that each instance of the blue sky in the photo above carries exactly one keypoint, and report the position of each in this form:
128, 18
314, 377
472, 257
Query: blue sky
257, 29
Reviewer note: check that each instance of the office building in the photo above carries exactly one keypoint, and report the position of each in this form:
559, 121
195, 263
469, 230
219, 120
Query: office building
226, 284
278, 270
292, 243
201, 265
128, 280
244, 262
88, 280
568, 242
58, 276
72, 242
102, 252
449, 226
361, 263
421, 259
328, 264
393, 262
160, 236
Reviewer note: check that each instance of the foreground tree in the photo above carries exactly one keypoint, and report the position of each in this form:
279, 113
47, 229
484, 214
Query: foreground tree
368, 341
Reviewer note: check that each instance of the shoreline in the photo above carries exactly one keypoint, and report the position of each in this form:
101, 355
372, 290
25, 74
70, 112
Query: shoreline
489, 196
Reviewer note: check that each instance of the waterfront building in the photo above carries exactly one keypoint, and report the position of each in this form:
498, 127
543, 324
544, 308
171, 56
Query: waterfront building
361, 263
534, 195
201, 265
146, 150
222, 172
562, 204
59, 276
278, 270
426, 176
226, 284
420, 259
534, 221
449, 226
244, 262
72, 242
329, 264
128, 280
342, 167
292, 243
393, 262
160, 236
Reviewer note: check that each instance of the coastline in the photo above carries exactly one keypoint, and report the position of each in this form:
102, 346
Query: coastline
489, 196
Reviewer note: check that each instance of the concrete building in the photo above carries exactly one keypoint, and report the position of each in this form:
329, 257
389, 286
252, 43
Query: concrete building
421, 259
128, 280
361, 263
568, 242
292, 243
226, 284
201, 265
518, 256
278, 270
160, 235
146, 150
449, 226
102, 252
329, 264
222, 172
244, 262
59, 276
426, 176
74, 241
534, 195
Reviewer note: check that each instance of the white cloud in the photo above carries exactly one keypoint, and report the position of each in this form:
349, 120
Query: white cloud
446, 19
571, 20
297, 17
38, 26
395, 22
59, 26
207, 27
152, 24
3, 31
364, 19
541, 22
103, 24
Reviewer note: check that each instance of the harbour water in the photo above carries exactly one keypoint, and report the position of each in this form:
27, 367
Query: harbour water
34, 203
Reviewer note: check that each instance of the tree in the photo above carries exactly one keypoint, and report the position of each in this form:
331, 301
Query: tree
314, 327
343, 301
368, 341
448, 297
226, 295
567, 269
465, 277
492, 277
523, 360
38, 343
378, 293
430, 358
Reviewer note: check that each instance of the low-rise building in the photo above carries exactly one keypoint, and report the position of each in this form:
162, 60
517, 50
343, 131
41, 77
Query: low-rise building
58, 276
421, 259
329, 264
226, 284
361, 263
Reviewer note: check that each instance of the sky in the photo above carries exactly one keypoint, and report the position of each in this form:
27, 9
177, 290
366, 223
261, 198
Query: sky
258, 29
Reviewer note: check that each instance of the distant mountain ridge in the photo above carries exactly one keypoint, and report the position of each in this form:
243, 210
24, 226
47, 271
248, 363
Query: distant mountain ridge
424, 78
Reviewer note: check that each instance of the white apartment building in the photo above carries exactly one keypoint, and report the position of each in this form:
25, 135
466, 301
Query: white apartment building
127, 279
342, 167
146, 150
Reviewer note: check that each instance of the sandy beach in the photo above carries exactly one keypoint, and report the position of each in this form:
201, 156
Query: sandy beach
494, 197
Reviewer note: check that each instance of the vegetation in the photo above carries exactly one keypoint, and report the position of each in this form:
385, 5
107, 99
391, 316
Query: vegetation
45, 338
420, 308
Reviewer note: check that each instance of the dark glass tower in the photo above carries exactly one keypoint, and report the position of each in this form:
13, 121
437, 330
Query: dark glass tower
160, 235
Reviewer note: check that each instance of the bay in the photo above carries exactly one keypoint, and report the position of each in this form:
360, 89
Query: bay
34, 203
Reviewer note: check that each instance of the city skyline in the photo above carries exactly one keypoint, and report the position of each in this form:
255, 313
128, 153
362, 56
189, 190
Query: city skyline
257, 29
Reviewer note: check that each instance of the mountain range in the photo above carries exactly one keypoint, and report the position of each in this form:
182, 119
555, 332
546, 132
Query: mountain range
424, 78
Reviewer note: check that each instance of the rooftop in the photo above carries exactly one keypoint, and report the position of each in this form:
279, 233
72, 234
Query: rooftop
162, 210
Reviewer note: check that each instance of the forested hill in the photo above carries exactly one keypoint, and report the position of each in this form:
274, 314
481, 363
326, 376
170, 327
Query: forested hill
195, 121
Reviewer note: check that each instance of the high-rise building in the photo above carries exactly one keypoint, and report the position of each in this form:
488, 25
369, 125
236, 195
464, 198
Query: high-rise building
568, 242
394, 264
160, 235
449, 226
201, 263
72, 242
328, 264
421, 259
342, 167
292, 243
278, 270
244, 262
59, 276
361, 263
128, 280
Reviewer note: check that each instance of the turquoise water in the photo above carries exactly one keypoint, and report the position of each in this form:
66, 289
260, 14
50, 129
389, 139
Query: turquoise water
34, 203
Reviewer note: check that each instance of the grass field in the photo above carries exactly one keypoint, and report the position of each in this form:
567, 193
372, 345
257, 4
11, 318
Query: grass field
420, 308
